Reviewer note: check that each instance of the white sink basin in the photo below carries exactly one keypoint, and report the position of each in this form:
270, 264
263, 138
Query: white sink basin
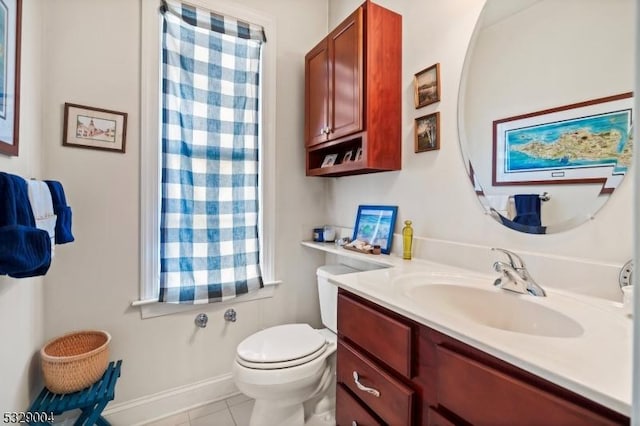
491, 307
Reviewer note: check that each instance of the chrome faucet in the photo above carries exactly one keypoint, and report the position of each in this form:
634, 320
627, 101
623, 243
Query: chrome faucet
515, 276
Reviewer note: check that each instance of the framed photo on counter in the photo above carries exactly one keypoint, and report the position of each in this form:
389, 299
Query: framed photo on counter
375, 224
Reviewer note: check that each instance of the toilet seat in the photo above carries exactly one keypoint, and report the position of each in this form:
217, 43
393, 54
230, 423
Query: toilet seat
282, 346
283, 364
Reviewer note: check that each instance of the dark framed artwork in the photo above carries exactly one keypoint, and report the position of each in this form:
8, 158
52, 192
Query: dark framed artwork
94, 128
427, 86
427, 132
10, 31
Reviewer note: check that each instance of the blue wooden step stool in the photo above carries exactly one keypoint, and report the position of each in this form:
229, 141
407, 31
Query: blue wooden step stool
91, 400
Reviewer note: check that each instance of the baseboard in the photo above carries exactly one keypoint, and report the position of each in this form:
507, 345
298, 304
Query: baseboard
140, 411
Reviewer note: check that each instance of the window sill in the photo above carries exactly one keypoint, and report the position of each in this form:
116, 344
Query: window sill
152, 308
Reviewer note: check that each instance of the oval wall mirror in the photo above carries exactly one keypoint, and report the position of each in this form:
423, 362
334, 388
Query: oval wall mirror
544, 112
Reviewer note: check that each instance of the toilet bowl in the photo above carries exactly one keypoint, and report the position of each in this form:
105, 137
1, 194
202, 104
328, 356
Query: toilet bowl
290, 369
281, 368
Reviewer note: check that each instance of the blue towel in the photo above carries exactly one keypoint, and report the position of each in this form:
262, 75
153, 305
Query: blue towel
527, 209
25, 251
529, 229
62, 211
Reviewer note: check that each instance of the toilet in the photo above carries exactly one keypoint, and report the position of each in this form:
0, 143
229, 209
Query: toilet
290, 369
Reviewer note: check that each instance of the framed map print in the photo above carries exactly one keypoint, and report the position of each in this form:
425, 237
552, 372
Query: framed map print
586, 142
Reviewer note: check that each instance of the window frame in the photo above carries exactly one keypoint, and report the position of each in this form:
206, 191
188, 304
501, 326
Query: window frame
150, 154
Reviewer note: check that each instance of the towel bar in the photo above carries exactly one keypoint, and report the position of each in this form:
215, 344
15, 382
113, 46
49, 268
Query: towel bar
545, 196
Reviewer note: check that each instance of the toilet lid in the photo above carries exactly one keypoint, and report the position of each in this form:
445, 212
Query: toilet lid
281, 343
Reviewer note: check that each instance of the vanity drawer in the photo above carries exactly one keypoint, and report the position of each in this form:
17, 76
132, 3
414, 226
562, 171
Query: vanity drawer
394, 403
462, 385
349, 410
384, 337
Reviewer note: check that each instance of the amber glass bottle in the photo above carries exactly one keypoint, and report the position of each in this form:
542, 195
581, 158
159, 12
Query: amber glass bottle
407, 240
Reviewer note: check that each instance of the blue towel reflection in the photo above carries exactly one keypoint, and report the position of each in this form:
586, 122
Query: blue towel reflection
529, 229
527, 210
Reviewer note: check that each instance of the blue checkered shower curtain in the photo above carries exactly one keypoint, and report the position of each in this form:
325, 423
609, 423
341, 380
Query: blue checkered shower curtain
209, 248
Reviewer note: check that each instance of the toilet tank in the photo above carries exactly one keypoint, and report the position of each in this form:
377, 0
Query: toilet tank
328, 294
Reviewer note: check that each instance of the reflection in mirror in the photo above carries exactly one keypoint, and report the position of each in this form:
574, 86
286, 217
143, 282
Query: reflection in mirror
545, 109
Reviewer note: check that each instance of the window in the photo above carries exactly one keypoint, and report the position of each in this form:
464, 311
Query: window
156, 213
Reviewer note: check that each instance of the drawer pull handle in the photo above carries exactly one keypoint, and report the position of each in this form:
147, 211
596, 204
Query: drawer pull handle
364, 388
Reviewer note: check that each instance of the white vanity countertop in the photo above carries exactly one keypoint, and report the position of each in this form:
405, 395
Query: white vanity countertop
596, 364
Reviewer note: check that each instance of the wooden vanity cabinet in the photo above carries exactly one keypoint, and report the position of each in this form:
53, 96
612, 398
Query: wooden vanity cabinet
353, 95
427, 378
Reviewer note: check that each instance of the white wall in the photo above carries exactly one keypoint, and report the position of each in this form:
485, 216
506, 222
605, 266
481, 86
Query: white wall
21, 300
432, 189
96, 61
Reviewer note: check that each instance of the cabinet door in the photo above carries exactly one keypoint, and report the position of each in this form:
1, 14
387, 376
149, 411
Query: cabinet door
317, 94
345, 87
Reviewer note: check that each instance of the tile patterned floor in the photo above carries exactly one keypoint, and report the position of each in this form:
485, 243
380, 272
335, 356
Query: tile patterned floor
234, 411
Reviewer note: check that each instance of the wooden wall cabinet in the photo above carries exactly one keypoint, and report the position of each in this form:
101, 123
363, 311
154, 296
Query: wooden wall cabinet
427, 378
353, 94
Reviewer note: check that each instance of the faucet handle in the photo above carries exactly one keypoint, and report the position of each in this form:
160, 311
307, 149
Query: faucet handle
515, 261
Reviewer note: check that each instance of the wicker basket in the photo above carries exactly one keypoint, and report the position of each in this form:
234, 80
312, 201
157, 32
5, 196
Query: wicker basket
75, 361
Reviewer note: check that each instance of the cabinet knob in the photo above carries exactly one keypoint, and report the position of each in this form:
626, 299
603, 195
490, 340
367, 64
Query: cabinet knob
354, 423
364, 388
326, 130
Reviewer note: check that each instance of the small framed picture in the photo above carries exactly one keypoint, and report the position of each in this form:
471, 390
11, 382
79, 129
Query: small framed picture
427, 132
375, 225
329, 160
358, 154
347, 156
94, 128
427, 86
